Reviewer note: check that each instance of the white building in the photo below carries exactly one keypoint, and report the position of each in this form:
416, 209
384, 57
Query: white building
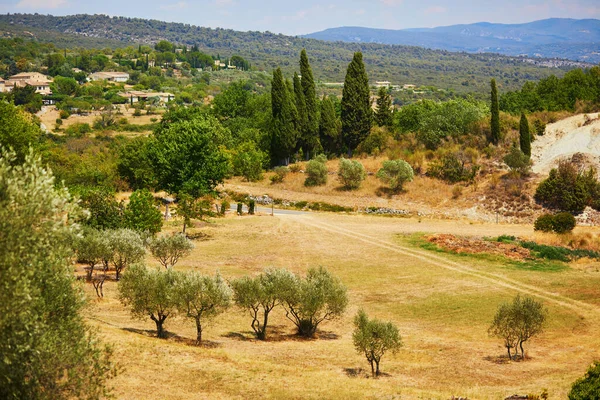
120, 77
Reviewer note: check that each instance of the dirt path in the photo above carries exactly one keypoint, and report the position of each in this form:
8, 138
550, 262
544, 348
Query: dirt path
583, 309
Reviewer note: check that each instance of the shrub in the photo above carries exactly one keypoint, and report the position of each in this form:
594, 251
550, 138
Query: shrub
240, 209
395, 173
247, 161
351, 173
78, 129
251, 206
587, 387
563, 222
544, 223
517, 161
294, 168
316, 171
64, 114
451, 168
279, 174
224, 206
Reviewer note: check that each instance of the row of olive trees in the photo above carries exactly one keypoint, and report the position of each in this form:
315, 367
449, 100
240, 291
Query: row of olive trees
351, 173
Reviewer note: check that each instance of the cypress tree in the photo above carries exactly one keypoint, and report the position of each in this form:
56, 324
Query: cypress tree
356, 104
524, 136
383, 113
495, 110
310, 132
283, 138
329, 127
302, 123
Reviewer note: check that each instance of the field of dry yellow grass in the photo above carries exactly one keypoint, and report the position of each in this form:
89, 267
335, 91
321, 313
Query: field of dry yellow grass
442, 304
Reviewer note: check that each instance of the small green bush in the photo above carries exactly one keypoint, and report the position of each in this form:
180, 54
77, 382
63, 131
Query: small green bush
64, 114
395, 173
563, 222
78, 129
280, 173
251, 206
316, 171
351, 173
294, 168
544, 223
224, 207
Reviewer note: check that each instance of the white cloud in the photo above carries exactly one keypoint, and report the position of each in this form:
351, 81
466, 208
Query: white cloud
37, 4
175, 6
435, 10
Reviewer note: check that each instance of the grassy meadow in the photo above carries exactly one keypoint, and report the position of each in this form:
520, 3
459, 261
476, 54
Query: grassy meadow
442, 304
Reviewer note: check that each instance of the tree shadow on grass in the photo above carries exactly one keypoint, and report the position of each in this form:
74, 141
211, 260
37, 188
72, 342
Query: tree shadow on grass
503, 359
364, 373
280, 333
384, 191
173, 337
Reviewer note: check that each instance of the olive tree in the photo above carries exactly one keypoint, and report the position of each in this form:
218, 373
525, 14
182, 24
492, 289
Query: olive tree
395, 173
48, 351
93, 248
201, 298
351, 173
259, 295
517, 322
167, 250
318, 297
149, 293
374, 338
127, 249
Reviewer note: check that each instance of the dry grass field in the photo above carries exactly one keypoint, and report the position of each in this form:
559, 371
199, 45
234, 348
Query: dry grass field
442, 304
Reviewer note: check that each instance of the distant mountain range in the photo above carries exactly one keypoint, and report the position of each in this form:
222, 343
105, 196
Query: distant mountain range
574, 39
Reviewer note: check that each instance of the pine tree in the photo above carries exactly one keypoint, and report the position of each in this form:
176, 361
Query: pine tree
283, 126
329, 127
383, 113
310, 133
356, 104
524, 136
495, 109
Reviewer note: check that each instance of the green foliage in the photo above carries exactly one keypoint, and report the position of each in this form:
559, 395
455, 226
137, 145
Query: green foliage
186, 155
279, 174
127, 249
201, 298
517, 322
17, 131
351, 173
329, 127
93, 248
284, 119
26, 97
587, 387
374, 338
540, 127
517, 161
64, 86
567, 189
356, 104
251, 206
383, 112
395, 173
495, 114
142, 214
453, 168
544, 223
149, 293
563, 222
310, 301
78, 130
563, 254
376, 142
48, 352
247, 161
259, 295
316, 171
310, 133
105, 211
524, 136
134, 164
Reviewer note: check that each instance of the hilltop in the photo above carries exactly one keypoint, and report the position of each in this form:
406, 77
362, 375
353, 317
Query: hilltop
556, 37
460, 72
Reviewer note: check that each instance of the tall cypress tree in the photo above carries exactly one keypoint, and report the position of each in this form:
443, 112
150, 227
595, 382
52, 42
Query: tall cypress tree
302, 123
524, 136
495, 110
329, 127
310, 133
283, 137
356, 104
383, 113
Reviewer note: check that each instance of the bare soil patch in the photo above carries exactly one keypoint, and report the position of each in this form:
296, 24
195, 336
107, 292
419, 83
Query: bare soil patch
478, 246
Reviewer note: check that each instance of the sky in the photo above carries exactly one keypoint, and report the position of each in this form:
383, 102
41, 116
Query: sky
307, 16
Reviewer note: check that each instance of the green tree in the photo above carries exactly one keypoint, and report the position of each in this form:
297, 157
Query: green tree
127, 249
567, 189
48, 352
495, 112
17, 131
383, 112
374, 338
316, 171
201, 298
186, 155
150, 293
351, 173
93, 248
395, 173
141, 214
329, 127
168, 249
64, 86
247, 161
134, 164
524, 136
356, 104
105, 211
310, 133
587, 387
259, 295
310, 301
284, 132
504, 327
302, 125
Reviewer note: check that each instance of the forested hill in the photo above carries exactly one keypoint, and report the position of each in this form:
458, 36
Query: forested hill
556, 37
461, 72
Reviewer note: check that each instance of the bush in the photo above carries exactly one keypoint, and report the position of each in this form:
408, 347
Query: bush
224, 207
280, 173
240, 209
251, 206
517, 161
351, 173
64, 114
295, 168
247, 161
560, 223
78, 129
395, 173
452, 169
316, 171
587, 387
